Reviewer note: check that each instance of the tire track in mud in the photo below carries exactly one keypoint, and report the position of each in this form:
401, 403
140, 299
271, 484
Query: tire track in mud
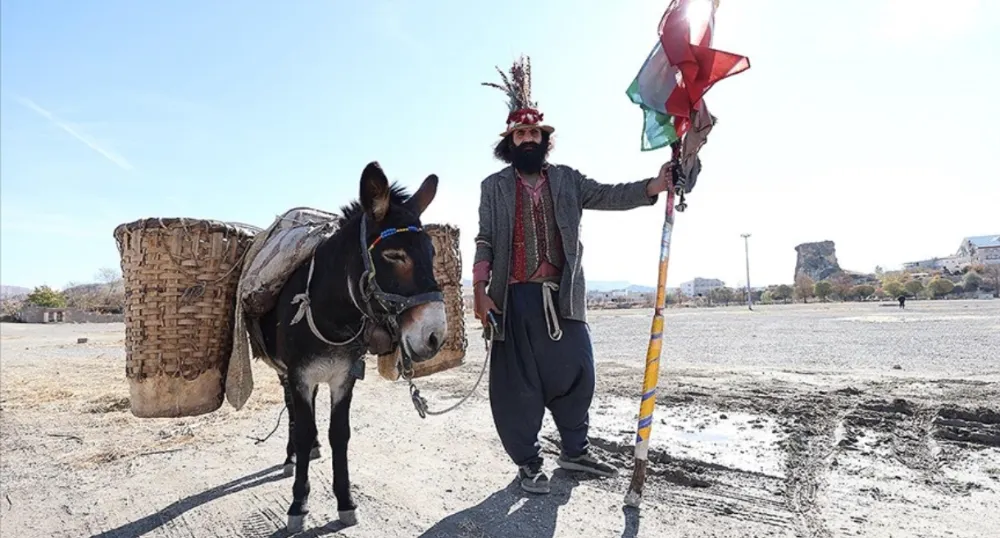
921, 433
979, 426
699, 486
811, 423
916, 436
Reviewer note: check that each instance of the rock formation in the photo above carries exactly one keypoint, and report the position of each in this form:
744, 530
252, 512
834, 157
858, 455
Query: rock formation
817, 260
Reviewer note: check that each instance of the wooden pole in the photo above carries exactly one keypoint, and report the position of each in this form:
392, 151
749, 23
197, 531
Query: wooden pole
653, 351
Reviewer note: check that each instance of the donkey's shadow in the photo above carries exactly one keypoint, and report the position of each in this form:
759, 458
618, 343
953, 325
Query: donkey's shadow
509, 512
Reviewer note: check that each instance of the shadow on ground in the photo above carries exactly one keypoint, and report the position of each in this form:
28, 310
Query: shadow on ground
163, 518
512, 512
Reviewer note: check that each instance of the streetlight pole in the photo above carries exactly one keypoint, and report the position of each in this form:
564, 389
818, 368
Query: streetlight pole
746, 248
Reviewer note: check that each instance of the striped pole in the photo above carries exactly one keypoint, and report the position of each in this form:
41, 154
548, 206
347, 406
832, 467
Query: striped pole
652, 374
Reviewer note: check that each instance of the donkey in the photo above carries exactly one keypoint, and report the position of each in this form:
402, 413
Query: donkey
376, 270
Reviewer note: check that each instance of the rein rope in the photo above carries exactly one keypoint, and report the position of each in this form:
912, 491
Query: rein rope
420, 403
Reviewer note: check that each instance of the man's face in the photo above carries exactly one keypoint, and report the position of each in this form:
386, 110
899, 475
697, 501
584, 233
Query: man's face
528, 153
527, 134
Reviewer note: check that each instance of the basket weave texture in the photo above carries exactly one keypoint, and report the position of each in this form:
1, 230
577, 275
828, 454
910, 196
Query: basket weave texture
180, 293
448, 273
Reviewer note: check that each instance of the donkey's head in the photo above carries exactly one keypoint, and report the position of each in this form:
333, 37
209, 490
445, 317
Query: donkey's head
401, 255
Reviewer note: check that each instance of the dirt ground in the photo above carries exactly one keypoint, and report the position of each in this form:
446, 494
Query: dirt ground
822, 420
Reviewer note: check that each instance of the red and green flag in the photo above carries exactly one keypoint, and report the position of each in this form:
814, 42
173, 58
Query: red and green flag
680, 69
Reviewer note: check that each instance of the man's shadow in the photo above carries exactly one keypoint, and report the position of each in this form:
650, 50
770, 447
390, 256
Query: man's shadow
152, 522
510, 512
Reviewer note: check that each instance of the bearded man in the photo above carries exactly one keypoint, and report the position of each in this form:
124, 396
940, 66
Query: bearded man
528, 277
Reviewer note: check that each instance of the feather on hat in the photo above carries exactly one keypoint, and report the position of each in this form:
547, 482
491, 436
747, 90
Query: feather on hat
522, 111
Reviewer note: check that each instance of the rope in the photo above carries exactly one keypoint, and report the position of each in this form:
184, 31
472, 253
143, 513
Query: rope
551, 312
303, 301
259, 440
420, 404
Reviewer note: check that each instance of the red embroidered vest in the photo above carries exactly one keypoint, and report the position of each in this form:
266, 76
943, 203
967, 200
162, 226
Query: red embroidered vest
537, 246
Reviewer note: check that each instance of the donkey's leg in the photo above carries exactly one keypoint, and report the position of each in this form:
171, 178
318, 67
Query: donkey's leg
315, 454
288, 468
340, 435
305, 434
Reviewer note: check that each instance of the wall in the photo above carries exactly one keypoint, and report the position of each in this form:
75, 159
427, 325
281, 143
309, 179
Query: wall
38, 314
988, 255
80, 316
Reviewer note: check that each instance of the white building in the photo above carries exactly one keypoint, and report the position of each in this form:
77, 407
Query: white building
952, 264
984, 249
701, 286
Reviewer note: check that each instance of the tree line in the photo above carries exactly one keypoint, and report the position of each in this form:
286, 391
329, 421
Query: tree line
106, 294
892, 285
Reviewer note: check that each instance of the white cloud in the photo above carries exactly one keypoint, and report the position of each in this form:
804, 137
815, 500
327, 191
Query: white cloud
74, 131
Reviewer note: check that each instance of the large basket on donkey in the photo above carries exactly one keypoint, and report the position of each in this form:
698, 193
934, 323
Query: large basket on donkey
180, 293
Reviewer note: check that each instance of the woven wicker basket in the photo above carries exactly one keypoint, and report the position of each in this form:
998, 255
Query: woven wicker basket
448, 273
180, 294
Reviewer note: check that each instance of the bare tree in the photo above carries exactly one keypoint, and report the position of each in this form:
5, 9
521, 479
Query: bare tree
992, 274
114, 291
804, 287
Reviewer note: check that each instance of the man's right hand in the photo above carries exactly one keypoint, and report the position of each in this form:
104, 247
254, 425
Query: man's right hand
482, 304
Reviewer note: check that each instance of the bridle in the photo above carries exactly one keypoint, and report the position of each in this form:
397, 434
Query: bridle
391, 304
377, 305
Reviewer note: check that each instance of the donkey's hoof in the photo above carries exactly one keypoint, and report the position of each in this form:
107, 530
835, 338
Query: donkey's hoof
295, 523
348, 517
314, 454
288, 470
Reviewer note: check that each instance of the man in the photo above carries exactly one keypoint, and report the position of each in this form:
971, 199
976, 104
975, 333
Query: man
528, 275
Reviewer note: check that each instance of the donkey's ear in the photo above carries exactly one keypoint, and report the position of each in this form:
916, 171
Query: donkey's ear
424, 195
375, 191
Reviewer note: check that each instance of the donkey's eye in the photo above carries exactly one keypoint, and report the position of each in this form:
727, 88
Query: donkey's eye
395, 256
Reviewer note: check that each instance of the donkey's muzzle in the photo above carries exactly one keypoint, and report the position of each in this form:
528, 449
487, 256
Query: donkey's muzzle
423, 329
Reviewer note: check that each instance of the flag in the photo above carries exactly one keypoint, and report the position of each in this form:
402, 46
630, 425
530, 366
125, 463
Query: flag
650, 90
680, 69
686, 36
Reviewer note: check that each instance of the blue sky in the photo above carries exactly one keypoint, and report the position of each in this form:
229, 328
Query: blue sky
868, 122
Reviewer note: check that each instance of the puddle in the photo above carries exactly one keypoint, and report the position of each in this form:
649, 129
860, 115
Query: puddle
740, 441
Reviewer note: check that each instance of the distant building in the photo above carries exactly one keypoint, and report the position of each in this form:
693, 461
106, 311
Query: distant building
41, 314
952, 264
621, 299
984, 249
701, 286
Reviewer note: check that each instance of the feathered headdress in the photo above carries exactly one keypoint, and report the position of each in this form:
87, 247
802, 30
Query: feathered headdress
523, 111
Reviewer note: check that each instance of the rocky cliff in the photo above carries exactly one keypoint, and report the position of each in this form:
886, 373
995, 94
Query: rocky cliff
817, 260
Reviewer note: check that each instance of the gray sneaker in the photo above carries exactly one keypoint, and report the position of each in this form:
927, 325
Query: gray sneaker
533, 479
587, 464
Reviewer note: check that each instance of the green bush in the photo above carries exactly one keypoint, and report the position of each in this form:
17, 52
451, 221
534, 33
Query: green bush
47, 297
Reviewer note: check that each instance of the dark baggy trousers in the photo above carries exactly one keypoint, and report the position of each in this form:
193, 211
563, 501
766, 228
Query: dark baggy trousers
530, 373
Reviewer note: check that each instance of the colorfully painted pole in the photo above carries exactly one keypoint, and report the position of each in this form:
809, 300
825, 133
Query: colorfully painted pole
645, 426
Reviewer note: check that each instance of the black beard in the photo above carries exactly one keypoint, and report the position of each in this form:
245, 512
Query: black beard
528, 158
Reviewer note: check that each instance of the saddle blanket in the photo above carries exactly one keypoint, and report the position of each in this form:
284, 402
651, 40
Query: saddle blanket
271, 259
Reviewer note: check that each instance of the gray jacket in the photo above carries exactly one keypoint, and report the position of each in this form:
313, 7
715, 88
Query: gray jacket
572, 192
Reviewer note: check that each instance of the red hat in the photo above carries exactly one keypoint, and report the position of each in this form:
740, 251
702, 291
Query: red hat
523, 112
